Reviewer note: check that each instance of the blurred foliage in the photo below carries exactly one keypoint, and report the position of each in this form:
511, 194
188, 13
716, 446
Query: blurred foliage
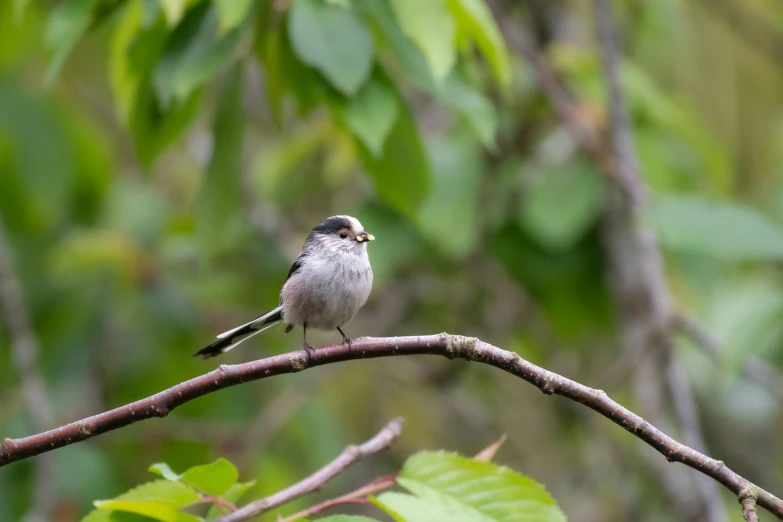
161, 162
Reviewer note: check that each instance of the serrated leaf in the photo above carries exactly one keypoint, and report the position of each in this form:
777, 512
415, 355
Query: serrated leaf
233, 494
67, 22
452, 92
193, 53
401, 173
165, 471
232, 12
157, 510
562, 203
217, 209
160, 499
371, 113
173, 10
347, 518
475, 19
333, 40
213, 479
451, 488
726, 230
432, 28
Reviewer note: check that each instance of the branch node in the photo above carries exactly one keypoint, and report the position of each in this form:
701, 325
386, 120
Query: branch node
298, 363
547, 383
747, 499
84, 429
459, 346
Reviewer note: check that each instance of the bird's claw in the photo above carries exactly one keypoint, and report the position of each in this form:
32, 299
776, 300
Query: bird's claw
310, 351
347, 340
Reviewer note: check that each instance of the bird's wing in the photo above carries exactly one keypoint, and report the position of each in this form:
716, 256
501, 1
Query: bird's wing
296, 266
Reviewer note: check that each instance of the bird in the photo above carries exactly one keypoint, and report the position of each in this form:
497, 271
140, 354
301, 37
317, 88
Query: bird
327, 284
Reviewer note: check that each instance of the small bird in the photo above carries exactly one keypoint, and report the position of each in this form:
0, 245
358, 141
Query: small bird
327, 284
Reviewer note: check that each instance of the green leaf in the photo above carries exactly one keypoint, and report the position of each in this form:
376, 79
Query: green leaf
218, 206
475, 108
451, 488
233, 494
165, 471
726, 230
157, 510
562, 203
232, 12
432, 28
371, 113
107, 515
475, 20
333, 40
213, 479
67, 22
194, 52
346, 518
160, 500
447, 217
401, 173
173, 10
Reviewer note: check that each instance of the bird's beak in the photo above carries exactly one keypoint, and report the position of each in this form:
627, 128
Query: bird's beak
364, 236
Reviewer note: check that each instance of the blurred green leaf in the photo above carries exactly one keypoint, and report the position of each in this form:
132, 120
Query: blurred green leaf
173, 9
475, 19
67, 22
726, 230
450, 487
165, 471
401, 175
562, 203
160, 500
371, 113
193, 53
333, 40
452, 92
213, 479
107, 515
347, 518
432, 28
232, 12
232, 494
219, 205
447, 217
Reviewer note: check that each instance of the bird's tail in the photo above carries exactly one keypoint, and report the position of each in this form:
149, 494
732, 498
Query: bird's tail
230, 339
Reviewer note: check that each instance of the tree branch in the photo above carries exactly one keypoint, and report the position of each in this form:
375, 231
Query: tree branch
350, 455
24, 354
358, 495
449, 346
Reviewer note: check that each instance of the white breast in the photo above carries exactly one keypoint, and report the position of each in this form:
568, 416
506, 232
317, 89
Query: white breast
327, 290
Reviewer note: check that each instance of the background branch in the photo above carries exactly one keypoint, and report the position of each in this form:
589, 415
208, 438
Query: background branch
450, 346
349, 456
24, 355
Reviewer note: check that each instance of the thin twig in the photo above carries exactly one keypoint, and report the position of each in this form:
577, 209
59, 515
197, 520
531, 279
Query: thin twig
450, 346
747, 500
349, 456
24, 354
754, 368
355, 496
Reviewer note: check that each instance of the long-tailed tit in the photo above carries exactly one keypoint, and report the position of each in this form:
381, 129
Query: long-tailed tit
327, 284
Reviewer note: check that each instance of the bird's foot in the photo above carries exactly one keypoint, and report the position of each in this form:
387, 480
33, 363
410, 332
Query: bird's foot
310, 351
347, 340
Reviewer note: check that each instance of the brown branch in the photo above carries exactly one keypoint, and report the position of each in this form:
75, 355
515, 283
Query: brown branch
358, 495
747, 500
349, 456
449, 346
24, 354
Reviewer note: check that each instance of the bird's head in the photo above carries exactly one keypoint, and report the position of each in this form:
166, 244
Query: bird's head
341, 233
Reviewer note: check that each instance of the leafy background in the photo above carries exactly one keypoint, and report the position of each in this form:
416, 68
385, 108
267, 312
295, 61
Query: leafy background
162, 162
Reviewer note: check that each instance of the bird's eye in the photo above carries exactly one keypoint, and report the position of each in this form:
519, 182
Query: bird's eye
343, 235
